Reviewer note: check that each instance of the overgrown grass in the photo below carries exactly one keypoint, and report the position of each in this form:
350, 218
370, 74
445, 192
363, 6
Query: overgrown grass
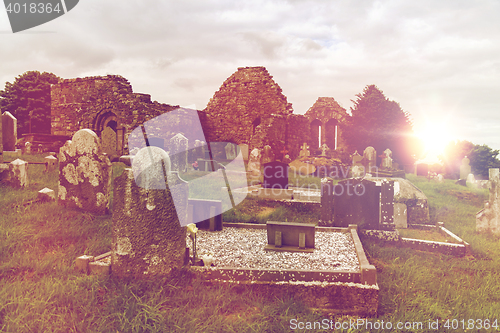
40, 291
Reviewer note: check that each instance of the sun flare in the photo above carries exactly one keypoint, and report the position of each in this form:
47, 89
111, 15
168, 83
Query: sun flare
434, 136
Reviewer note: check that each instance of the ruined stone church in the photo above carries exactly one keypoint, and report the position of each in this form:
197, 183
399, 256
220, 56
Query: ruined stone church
248, 108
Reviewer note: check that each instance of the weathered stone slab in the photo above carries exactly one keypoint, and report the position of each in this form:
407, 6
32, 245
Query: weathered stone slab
290, 233
9, 131
465, 168
488, 219
46, 194
178, 150
148, 238
18, 170
207, 214
400, 216
84, 173
50, 163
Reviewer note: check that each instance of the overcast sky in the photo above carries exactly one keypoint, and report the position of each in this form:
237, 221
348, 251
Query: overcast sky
439, 59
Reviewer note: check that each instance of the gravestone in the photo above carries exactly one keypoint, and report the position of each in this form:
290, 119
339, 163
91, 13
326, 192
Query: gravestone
84, 173
108, 140
356, 201
324, 149
357, 169
400, 215
304, 152
327, 197
370, 156
178, 152
147, 236
50, 163
488, 219
290, 236
471, 179
387, 203
275, 175
254, 163
207, 214
465, 168
9, 131
244, 151
27, 147
156, 142
46, 194
18, 173
387, 159
267, 154
231, 151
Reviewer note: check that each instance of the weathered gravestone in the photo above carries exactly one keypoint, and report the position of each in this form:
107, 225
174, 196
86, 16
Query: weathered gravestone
254, 163
488, 219
178, 152
46, 194
327, 197
304, 152
387, 204
370, 156
387, 159
356, 201
148, 236
207, 214
18, 173
108, 140
267, 154
231, 151
9, 131
465, 168
357, 169
84, 173
50, 163
244, 151
275, 175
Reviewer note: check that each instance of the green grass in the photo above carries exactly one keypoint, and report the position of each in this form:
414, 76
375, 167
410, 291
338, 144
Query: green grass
41, 292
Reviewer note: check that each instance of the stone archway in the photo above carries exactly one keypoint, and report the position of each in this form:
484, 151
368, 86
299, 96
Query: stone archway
315, 134
107, 126
330, 137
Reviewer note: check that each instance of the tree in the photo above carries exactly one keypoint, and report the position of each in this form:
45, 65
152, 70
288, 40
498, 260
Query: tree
482, 158
381, 123
28, 99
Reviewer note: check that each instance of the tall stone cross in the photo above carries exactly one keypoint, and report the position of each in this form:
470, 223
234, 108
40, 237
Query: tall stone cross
304, 151
324, 148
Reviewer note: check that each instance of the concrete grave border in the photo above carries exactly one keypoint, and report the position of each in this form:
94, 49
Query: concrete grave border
334, 290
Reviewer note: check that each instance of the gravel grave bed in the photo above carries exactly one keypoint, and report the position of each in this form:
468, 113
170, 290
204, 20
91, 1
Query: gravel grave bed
244, 248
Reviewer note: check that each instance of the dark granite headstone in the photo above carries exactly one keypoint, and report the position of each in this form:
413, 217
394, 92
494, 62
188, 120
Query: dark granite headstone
275, 175
356, 202
387, 203
156, 142
326, 202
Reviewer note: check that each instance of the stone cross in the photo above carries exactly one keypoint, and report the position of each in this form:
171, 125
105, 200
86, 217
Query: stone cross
324, 148
84, 173
304, 151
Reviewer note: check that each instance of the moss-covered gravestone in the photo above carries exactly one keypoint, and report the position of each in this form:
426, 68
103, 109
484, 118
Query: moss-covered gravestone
84, 173
149, 208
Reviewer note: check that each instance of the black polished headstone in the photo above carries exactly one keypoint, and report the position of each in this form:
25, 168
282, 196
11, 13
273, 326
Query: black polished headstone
356, 202
275, 175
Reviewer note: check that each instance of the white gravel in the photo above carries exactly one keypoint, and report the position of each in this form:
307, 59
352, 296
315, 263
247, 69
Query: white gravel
244, 248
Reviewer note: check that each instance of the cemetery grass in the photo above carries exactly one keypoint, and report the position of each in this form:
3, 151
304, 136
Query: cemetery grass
40, 291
